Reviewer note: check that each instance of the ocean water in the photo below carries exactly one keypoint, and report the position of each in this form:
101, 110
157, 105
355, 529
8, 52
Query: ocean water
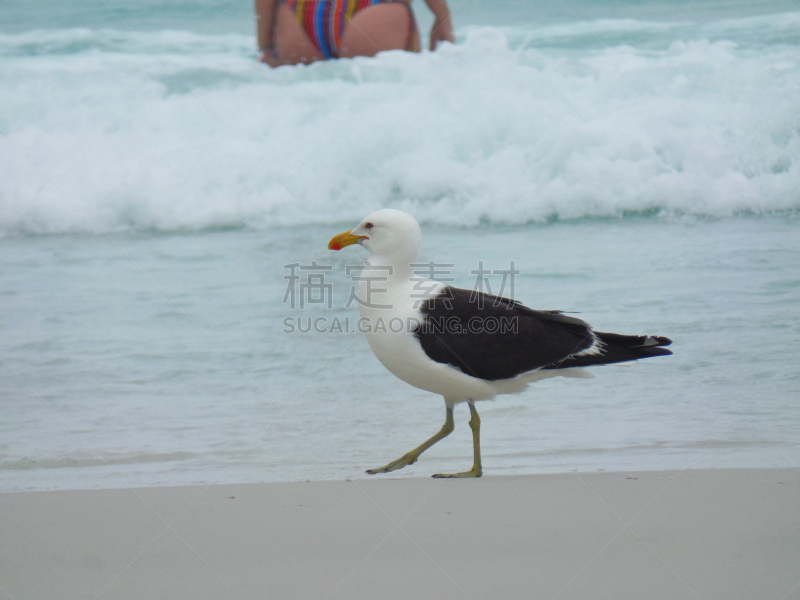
638, 162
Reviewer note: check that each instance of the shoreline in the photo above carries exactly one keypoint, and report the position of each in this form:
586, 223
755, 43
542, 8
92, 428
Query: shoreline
707, 533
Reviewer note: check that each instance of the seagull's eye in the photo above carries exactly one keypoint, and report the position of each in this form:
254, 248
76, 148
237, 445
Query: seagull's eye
369, 225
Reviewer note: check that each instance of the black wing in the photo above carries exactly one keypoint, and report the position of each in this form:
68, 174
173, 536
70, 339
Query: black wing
496, 338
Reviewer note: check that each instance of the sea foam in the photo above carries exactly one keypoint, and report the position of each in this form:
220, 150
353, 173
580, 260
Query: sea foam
168, 130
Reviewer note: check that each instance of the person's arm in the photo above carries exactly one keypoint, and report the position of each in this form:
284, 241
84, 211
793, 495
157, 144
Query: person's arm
442, 30
265, 15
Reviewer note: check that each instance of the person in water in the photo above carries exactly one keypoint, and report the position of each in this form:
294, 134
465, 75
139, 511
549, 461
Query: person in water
303, 31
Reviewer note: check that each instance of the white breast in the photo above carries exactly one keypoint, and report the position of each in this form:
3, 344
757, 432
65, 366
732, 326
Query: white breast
388, 324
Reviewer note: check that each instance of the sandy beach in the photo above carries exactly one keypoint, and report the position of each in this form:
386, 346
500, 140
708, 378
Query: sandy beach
723, 534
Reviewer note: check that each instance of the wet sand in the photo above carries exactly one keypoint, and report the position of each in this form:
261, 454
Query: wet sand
726, 534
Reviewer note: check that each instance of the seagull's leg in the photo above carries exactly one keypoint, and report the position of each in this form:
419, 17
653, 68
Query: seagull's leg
411, 457
475, 425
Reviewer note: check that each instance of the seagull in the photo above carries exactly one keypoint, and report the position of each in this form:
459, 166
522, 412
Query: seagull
463, 344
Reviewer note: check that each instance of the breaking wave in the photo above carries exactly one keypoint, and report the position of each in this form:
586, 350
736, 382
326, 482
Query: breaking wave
169, 130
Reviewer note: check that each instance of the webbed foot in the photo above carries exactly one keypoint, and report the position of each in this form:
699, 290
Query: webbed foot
407, 459
471, 473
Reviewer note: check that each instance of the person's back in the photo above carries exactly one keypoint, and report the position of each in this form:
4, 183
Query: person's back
303, 31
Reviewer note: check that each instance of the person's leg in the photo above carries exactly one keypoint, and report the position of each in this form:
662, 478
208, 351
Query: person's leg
292, 44
375, 29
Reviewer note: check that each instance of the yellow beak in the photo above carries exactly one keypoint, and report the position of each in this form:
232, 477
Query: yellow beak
344, 239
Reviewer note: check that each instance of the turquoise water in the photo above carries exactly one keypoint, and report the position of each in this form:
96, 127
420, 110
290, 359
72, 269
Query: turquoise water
225, 16
639, 163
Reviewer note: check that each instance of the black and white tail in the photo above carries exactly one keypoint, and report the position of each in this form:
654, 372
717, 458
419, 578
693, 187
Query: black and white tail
616, 348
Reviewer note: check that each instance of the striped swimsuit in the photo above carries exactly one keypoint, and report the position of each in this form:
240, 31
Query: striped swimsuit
324, 21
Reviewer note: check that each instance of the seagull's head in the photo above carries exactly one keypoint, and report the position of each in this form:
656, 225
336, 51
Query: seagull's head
387, 233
